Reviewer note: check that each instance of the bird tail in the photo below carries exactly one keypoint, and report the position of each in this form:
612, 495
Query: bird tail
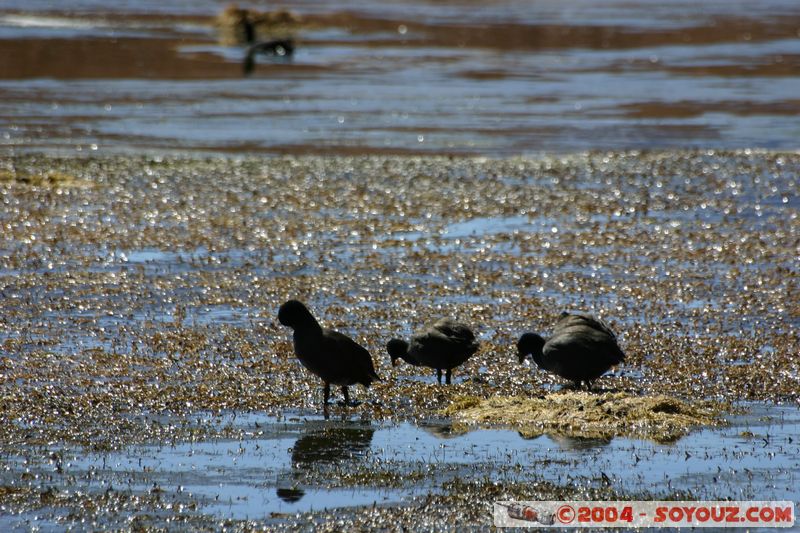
620, 356
474, 347
370, 376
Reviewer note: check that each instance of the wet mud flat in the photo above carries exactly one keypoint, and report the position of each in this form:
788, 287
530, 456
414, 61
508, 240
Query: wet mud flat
144, 379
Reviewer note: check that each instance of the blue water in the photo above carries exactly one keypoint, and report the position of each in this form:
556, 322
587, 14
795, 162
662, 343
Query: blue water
756, 457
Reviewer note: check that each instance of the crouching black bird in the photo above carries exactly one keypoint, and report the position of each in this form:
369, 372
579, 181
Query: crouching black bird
581, 349
334, 357
443, 346
277, 48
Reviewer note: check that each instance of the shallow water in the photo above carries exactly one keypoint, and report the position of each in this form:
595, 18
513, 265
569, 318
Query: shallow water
266, 474
413, 76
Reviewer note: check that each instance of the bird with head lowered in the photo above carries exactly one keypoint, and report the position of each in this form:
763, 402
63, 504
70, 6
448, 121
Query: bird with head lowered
581, 349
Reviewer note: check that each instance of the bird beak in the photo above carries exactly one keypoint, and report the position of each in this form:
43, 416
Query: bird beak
394, 362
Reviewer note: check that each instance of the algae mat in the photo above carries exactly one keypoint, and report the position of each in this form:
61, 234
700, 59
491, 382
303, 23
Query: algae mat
582, 414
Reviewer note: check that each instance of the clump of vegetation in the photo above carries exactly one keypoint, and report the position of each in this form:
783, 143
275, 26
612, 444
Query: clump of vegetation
50, 178
581, 414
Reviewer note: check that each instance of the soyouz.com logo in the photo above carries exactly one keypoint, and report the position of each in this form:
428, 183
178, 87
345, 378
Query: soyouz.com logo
644, 514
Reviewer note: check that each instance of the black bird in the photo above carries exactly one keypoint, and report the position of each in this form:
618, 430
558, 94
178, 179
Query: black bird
277, 48
334, 357
581, 349
443, 346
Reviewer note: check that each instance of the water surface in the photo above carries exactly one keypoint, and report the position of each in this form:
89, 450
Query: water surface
299, 463
413, 76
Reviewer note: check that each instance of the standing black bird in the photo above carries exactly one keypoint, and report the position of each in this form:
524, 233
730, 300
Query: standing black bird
581, 349
445, 345
277, 48
334, 357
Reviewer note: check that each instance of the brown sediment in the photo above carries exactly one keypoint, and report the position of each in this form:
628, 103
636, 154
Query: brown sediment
123, 58
785, 65
687, 109
498, 74
502, 35
160, 57
511, 36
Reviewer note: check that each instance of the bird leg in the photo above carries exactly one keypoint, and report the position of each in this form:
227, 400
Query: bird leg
447, 377
439, 375
327, 393
347, 402
346, 395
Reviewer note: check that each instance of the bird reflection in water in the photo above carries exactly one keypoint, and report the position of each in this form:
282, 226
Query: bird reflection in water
572, 442
290, 495
442, 430
277, 48
320, 445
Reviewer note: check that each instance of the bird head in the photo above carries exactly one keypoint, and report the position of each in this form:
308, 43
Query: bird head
294, 313
397, 349
529, 344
